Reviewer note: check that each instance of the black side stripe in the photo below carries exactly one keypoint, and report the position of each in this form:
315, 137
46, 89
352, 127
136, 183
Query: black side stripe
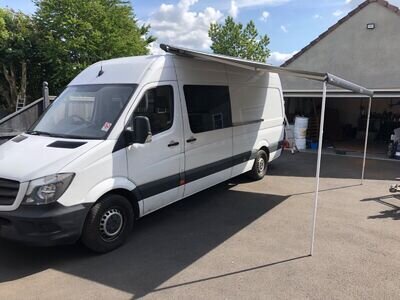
159, 186
242, 158
165, 184
203, 171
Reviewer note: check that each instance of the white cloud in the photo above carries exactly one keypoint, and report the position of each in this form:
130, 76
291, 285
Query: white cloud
155, 48
251, 3
185, 4
317, 16
278, 58
179, 25
264, 16
234, 10
348, 1
284, 29
337, 13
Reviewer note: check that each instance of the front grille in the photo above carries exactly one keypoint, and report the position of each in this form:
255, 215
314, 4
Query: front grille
8, 191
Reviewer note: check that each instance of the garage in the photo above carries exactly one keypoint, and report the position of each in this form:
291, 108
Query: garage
361, 47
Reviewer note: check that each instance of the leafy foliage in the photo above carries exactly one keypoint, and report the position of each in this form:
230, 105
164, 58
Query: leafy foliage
76, 33
3, 28
17, 50
236, 40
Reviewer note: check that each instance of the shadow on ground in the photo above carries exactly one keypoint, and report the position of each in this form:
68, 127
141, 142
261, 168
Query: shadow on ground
333, 166
163, 243
392, 213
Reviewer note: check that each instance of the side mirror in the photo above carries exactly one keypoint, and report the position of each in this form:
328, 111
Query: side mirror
140, 131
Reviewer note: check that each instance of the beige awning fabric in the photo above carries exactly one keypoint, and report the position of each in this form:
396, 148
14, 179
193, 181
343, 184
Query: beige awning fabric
258, 66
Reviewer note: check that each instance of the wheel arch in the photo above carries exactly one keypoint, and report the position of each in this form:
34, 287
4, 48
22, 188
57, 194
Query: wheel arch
120, 186
266, 150
129, 195
264, 145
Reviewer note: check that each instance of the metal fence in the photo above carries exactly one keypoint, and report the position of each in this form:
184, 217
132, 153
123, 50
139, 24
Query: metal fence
20, 121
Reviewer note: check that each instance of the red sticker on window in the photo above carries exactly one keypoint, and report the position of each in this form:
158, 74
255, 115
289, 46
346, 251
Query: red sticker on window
106, 126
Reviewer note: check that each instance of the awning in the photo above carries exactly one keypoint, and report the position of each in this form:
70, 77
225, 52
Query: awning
258, 66
379, 94
325, 78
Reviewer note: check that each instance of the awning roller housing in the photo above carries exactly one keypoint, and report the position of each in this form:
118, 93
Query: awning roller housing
258, 66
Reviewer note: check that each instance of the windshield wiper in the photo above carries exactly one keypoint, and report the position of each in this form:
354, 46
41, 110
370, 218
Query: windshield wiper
64, 136
36, 132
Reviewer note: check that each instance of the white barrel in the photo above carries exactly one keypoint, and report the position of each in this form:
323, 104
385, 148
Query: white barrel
300, 133
300, 128
301, 122
301, 144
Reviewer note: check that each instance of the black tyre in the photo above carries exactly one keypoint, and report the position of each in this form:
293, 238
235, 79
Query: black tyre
260, 166
108, 224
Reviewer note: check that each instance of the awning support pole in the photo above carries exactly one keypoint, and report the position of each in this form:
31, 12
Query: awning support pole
366, 140
321, 136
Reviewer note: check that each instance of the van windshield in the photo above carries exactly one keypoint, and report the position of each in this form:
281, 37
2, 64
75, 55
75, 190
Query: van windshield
85, 111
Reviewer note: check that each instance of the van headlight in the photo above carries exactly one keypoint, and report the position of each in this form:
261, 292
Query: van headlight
47, 189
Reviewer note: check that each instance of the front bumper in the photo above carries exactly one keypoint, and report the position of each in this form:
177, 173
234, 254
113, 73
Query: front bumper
44, 225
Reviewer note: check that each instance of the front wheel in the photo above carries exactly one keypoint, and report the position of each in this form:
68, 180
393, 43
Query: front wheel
260, 166
108, 224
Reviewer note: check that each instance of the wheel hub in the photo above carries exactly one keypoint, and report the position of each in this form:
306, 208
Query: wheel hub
260, 165
111, 223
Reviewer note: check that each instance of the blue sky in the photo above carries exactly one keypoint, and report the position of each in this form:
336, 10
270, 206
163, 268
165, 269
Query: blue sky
290, 24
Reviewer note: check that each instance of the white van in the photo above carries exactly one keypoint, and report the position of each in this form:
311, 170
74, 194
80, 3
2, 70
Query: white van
129, 136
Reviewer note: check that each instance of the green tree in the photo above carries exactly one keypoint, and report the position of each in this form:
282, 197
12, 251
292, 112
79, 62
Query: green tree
76, 33
236, 40
16, 49
3, 28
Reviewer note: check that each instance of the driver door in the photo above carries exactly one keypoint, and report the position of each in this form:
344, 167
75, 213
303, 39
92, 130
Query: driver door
156, 167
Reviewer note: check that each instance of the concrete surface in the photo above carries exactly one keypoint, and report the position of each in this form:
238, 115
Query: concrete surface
239, 240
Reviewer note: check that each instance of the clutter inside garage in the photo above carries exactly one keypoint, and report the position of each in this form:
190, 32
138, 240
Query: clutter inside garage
345, 125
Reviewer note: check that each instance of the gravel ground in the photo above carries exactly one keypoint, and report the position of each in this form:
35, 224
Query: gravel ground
239, 240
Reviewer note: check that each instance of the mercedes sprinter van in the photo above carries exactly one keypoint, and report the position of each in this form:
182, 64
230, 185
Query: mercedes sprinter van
129, 136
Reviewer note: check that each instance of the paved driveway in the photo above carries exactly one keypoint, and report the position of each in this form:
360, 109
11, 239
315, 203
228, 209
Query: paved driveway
239, 240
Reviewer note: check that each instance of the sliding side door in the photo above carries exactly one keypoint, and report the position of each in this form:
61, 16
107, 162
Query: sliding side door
207, 121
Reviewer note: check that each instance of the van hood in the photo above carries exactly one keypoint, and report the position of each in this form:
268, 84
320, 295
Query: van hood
28, 157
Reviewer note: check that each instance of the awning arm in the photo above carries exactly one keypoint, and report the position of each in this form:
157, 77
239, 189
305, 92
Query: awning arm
318, 172
347, 85
366, 140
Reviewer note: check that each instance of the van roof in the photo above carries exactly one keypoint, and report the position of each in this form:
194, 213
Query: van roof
136, 69
125, 70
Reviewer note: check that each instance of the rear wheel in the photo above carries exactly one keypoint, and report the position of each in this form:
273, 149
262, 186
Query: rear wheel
108, 224
260, 166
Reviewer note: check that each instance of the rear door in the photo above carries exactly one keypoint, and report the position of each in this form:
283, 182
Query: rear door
207, 121
156, 167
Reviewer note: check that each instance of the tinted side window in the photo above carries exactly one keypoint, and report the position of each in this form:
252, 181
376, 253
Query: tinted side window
209, 107
157, 104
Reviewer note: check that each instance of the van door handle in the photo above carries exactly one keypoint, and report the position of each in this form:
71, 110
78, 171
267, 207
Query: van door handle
173, 144
191, 140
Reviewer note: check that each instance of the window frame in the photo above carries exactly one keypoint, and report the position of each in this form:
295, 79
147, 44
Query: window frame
143, 94
209, 86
